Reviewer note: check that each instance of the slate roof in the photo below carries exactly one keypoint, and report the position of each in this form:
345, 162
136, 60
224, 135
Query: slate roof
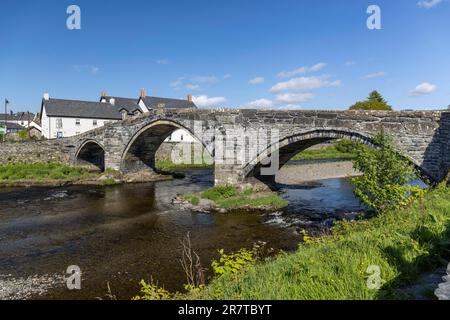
81, 109
154, 102
18, 116
120, 103
12, 125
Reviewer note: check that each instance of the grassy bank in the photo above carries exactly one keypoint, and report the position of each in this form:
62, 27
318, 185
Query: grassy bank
169, 166
229, 197
321, 154
41, 172
400, 243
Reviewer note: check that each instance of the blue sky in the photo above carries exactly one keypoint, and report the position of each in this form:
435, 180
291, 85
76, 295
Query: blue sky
296, 54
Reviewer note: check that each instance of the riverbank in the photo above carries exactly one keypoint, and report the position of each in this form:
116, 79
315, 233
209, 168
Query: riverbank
58, 175
370, 259
224, 199
296, 172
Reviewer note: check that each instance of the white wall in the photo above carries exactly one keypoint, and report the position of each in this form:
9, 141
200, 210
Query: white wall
181, 136
69, 127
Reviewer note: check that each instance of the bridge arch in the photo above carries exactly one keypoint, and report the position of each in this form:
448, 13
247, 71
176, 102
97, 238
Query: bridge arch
140, 152
91, 153
291, 145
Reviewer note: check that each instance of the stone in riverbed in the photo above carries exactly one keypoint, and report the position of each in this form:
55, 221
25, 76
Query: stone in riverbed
443, 292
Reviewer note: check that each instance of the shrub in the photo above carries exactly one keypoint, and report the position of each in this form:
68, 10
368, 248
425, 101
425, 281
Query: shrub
386, 174
232, 263
347, 146
152, 291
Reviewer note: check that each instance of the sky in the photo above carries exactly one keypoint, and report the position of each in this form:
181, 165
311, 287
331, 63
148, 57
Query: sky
283, 54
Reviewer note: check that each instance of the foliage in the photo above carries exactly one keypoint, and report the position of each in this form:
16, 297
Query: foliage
23, 135
370, 105
151, 291
41, 171
232, 263
219, 192
386, 174
347, 146
193, 199
403, 243
375, 101
376, 96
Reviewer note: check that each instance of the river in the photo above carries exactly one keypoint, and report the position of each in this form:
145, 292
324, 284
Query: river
122, 234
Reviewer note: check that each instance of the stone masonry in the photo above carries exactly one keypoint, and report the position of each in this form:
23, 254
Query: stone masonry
130, 145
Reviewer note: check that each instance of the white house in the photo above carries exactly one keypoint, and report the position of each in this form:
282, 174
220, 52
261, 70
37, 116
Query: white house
65, 118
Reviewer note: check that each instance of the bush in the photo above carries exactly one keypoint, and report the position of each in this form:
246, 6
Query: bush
232, 263
386, 174
347, 146
370, 105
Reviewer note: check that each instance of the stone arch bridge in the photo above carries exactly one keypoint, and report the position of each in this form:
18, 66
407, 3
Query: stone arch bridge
130, 145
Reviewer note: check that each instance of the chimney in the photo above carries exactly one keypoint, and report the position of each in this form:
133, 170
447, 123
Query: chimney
103, 93
112, 101
46, 96
189, 98
143, 94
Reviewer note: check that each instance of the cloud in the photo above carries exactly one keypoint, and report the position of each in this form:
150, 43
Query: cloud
257, 80
177, 83
260, 103
428, 4
86, 68
207, 102
304, 84
191, 86
227, 76
349, 63
374, 75
424, 88
205, 79
163, 61
291, 98
302, 70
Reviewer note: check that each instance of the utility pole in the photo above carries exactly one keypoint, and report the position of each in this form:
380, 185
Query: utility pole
6, 118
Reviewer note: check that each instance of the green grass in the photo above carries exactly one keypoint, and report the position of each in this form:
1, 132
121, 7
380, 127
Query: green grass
167, 165
228, 197
40, 172
402, 243
321, 154
272, 200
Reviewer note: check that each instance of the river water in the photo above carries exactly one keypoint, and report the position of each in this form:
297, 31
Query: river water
122, 234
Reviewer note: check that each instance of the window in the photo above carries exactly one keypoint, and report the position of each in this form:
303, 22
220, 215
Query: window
124, 115
59, 124
59, 135
77, 122
182, 138
94, 123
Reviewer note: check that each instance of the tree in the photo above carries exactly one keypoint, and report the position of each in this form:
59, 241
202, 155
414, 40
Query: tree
384, 185
375, 101
376, 96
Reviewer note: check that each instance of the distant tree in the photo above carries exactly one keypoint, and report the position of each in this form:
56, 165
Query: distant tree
376, 96
375, 101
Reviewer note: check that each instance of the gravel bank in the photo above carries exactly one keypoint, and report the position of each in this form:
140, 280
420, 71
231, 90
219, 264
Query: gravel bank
295, 174
28, 288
